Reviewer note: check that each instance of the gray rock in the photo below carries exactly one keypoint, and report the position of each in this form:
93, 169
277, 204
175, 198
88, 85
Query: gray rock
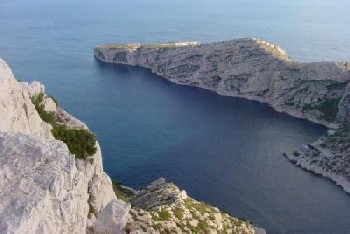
250, 68
112, 218
44, 189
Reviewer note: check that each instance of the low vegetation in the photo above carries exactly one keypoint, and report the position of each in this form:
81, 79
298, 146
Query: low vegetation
341, 136
120, 191
337, 85
131, 46
329, 108
46, 116
80, 142
120, 46
55, 100
164, 215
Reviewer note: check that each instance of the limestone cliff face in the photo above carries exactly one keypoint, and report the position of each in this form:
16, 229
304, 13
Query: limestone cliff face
17, 113
249, 68
44, 189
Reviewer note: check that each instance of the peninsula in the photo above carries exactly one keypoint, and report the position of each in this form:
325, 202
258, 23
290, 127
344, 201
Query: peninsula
258, 70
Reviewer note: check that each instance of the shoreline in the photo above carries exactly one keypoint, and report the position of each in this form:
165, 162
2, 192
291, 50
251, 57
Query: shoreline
286, 90
320, 172
292, 113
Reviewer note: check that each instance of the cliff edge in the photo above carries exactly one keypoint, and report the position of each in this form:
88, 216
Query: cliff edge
258, 70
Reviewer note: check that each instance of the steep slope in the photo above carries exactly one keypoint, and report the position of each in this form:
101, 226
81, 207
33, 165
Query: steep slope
44, 188
16, 110
258, 70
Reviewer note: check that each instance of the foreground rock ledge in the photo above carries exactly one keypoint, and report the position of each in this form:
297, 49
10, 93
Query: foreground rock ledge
46, 189
163, 207
258, 70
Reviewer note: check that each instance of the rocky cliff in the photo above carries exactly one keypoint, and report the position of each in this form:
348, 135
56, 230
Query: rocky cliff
248, 68
56, 186
44, 188
258, 70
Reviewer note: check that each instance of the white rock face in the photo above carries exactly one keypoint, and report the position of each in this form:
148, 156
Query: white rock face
44, 189
112, 219
250, 68
17, 113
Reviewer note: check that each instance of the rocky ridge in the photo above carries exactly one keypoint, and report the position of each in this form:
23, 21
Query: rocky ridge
162, 207
47, 189
258, 70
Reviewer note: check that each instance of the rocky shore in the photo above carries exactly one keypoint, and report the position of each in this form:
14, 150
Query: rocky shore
329, 157
52, 178
259, 70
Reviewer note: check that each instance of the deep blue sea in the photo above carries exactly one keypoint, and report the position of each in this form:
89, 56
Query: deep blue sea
224, 151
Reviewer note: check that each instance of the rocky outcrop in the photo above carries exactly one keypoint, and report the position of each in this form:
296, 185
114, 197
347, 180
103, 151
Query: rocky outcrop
329, 156
164, 208
44, 188
42, 191
17, 113
258, 70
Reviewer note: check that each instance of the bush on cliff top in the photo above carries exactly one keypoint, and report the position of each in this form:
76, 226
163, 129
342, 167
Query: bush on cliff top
80, 142
46, 116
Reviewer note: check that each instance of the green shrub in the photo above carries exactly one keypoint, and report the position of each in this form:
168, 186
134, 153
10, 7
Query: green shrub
178, 212
38, 99
337, 85
164, 215
55, 100
80, 142
329, 108
46, 116
341, 136
121, 192
203, 225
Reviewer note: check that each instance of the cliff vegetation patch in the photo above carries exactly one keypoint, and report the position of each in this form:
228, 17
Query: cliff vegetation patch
341, 136
80, 142
329, 108
121, 191
46, 116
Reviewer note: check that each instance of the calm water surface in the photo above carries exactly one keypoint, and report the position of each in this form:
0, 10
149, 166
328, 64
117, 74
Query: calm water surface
225, 151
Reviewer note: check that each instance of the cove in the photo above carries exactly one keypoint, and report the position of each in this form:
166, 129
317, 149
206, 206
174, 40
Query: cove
222, 150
